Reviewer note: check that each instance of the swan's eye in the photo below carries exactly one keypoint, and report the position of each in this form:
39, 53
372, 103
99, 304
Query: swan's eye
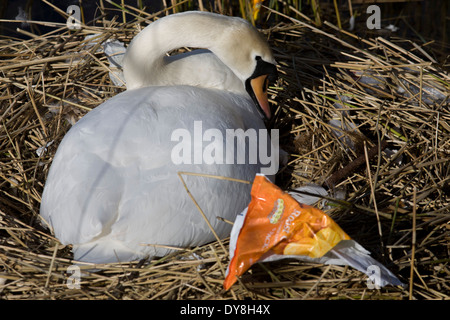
264, 68
266, 84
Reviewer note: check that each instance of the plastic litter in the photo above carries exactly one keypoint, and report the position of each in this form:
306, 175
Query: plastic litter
275, 226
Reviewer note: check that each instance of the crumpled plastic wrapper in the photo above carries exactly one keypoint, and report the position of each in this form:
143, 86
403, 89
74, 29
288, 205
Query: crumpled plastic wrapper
276, 226
115, 51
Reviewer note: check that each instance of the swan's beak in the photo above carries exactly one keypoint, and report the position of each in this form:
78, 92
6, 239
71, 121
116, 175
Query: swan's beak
259, 87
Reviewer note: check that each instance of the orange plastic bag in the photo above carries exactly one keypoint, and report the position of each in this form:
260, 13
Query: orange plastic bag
276, 223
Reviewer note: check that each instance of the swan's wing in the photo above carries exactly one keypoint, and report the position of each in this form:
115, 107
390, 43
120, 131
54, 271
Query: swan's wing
199, 68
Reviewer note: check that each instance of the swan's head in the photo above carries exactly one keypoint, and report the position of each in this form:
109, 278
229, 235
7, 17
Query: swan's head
258, 83
242, 48
233, 40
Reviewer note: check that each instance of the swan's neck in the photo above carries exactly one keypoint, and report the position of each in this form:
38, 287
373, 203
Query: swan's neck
146, 60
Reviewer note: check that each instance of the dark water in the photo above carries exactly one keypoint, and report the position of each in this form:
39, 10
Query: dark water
421, 21
40, 11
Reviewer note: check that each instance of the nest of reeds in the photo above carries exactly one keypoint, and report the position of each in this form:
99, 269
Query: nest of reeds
366, 118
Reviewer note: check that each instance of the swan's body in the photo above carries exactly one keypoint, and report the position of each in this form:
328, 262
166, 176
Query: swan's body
113, 190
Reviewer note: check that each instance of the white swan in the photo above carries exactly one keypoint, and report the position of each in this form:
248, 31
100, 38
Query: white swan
113, 191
